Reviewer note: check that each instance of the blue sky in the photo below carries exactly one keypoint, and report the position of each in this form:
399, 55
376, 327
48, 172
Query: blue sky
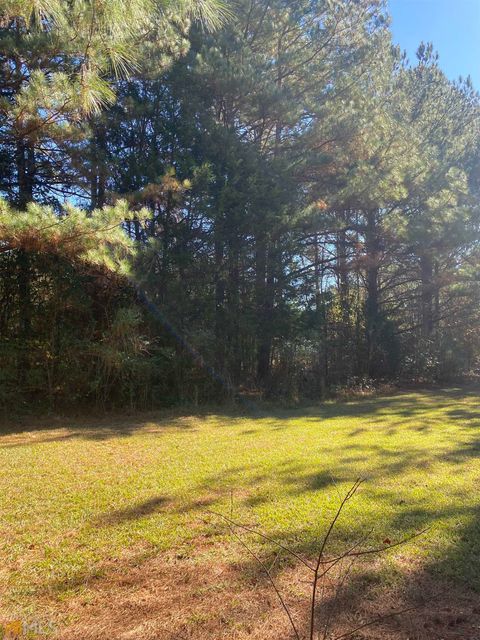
453, 26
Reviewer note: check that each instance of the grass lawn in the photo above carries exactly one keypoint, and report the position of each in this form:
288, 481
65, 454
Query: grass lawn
76, 495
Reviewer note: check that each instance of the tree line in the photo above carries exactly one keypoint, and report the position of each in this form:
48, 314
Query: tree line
203, 199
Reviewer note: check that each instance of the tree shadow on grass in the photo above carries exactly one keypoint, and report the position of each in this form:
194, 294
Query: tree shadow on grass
402, 404
148, 507
459, 561
406, 511
440, 594
306, 482
440, 610
368, 592
32, 433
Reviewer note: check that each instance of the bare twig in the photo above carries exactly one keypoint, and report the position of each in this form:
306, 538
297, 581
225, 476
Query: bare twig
337, 593
377, 550
272, 581
350, 493
264, 537
322, 566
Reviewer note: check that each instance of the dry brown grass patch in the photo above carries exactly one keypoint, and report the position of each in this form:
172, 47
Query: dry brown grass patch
204, 599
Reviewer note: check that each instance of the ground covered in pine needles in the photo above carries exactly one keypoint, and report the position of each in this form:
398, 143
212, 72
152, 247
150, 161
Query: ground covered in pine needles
113, 528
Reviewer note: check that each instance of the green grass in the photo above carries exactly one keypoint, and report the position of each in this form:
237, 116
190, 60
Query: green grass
77, 495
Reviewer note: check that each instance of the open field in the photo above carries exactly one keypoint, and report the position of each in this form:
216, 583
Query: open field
106, 526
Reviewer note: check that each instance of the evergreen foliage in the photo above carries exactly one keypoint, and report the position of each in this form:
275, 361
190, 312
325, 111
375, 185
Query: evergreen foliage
203, 197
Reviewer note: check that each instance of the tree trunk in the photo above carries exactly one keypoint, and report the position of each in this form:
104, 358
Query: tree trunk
234, 311
262, 295
98, 174
219, 298
321, 320
427, 295
344, 295
372, 248
25, 161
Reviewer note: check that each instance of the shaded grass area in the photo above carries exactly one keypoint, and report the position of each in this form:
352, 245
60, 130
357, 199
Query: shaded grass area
78, 495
